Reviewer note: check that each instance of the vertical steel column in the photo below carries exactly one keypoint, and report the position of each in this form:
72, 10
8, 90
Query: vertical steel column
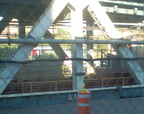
21, 29
77, 49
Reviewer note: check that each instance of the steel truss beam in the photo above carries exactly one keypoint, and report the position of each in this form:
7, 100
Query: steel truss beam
37, 32
40, 28
105, 24
55, 46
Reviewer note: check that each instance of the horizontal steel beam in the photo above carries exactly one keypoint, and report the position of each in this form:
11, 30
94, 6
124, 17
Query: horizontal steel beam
61, 41
124, 3
134, 11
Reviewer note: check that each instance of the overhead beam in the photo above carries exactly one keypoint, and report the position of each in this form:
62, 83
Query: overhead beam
135, 11
124, 3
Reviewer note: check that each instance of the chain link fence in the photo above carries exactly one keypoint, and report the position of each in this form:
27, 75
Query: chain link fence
42, 75
38, 78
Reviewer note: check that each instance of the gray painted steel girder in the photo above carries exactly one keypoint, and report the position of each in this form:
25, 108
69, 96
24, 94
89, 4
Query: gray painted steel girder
109, 28
37, 32
58, 41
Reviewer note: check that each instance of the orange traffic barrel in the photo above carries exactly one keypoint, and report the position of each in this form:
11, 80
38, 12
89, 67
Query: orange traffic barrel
84, 102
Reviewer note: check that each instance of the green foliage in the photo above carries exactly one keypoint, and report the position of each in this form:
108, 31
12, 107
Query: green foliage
62, 32
45, 56
101, 46
5, 52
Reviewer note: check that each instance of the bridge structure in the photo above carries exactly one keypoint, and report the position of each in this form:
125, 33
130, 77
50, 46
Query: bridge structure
41, 14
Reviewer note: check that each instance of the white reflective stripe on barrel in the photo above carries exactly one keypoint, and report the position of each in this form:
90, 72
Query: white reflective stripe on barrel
83, 104
84, 96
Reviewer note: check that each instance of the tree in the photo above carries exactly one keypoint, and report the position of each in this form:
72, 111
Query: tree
63, 34
45, 56
6, 52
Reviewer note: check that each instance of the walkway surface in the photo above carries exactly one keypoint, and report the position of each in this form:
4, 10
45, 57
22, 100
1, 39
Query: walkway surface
118, 106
